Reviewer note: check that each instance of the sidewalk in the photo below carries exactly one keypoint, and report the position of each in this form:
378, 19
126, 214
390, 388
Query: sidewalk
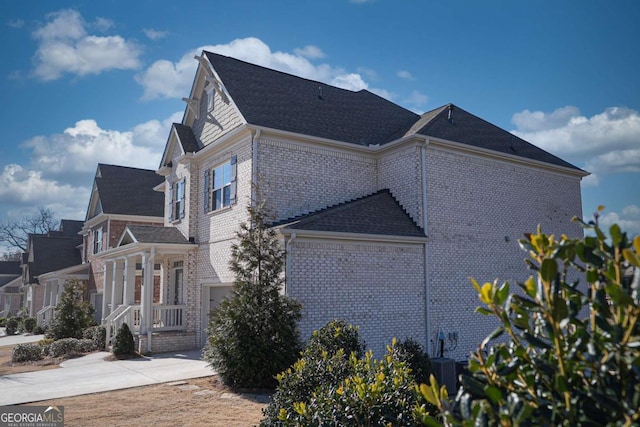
92, 374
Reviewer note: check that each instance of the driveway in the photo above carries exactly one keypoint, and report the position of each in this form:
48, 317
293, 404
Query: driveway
92, 374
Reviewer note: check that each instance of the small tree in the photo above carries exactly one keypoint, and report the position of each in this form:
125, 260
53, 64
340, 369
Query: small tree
252, 336
124, 343
15, 233
72, 314
572, 356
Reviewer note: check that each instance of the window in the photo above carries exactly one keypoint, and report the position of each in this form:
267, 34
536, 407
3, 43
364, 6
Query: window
97, 240
210, 95
220, 186
176, 201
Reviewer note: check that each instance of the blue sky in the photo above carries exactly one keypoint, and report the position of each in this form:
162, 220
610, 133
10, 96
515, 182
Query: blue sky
86, 82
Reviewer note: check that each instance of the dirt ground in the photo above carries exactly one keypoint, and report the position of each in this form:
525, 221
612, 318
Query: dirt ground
197, 402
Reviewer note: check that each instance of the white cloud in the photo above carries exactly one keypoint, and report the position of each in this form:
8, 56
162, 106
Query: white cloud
64, 46
404, 74
166, 79
416, 99
608, 142
61, 169
628, 219
16, 23
310, 51
154, 34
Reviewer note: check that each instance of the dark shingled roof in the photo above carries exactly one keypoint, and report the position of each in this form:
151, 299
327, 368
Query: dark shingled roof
129, 191
10, 267
378, 213
151, 234
53, 253
283, 101
188, 140
70, 227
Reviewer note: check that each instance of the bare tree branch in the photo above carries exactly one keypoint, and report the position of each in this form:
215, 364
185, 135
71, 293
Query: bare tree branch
15, 234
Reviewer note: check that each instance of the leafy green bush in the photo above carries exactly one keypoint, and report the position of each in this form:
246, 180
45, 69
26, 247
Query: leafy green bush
253, 335
29, 324
573, 354
73, 313
28, 352
410, 352
3, 322
98, 334
63, 347
11, 327
123, 343
86, 346
323, 363
38, 330
375, 393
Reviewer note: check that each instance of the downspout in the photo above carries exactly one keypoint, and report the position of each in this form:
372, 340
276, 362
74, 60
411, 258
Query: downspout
254, 165
150, 262
425, 223
287, 267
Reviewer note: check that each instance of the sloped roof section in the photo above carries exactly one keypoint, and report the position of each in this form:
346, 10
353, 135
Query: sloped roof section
10, 268
378, 213
455, 124
129, 191
151, 234
53, 253
70, 227
188, 140
283, 101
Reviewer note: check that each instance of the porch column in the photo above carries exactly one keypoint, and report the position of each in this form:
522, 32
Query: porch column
129, 280
56, 292
146, 308
117, 283
107, 281
47, 294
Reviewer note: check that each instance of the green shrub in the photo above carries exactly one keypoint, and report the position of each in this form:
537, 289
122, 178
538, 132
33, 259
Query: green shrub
11, 327
86, 345
38, 330
323, 363
73, 313
375, 393
64, 347
3, 322
28, 352
29, 324
253, 335
98, 334
572, 357
419, 362
123, 343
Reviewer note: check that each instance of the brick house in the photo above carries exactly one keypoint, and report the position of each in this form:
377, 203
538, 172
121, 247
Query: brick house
384, 213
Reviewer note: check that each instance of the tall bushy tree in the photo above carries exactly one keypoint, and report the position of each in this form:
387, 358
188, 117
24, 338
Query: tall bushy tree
573, 354
73, 313
253, 335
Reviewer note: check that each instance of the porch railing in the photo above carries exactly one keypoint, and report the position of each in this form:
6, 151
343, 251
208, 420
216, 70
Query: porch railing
165, 318
45, 315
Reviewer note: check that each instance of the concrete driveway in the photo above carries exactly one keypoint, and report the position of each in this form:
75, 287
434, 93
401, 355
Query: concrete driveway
92, 374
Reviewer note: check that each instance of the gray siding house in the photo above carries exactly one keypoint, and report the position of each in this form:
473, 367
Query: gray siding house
385, 214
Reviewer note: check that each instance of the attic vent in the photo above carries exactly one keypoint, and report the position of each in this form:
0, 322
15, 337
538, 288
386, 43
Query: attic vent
450, 114
320, 92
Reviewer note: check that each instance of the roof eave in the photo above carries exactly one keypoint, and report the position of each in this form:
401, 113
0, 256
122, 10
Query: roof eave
288, 230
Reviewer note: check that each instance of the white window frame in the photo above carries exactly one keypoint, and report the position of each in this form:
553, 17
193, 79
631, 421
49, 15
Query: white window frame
97, 240
177, 200
220, 186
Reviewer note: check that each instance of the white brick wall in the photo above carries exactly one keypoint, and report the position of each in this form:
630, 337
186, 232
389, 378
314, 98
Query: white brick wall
474, 206
378, 287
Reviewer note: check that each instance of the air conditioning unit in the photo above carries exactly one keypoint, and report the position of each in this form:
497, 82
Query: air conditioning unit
444, 369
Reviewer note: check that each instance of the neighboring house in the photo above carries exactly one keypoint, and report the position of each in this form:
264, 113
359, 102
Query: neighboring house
47, 254
10, 295
121, 196
384, 214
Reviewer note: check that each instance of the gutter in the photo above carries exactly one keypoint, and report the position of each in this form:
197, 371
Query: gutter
254, 165
287, 266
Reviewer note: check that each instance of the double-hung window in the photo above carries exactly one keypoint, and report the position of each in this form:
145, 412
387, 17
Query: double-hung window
97, 240
176, 201
220, 186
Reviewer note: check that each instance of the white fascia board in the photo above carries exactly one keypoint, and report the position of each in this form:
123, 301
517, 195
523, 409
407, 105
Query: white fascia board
119, 217
358, 237
142, 248
69, 271
228, 139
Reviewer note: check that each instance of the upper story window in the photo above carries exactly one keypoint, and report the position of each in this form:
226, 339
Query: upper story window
176, 201
210, 95
97, 240
220, 185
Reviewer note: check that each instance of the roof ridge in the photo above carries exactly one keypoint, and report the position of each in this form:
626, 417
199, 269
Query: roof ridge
333, 207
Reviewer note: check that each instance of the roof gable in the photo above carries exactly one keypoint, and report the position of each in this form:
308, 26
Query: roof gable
151, 234
379, 213
126, 191
283, 101
53, 253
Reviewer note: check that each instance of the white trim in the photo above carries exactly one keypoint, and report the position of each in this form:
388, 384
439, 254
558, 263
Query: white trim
359, 237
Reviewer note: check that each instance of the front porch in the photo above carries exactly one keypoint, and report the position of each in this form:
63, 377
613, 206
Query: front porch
144, 288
